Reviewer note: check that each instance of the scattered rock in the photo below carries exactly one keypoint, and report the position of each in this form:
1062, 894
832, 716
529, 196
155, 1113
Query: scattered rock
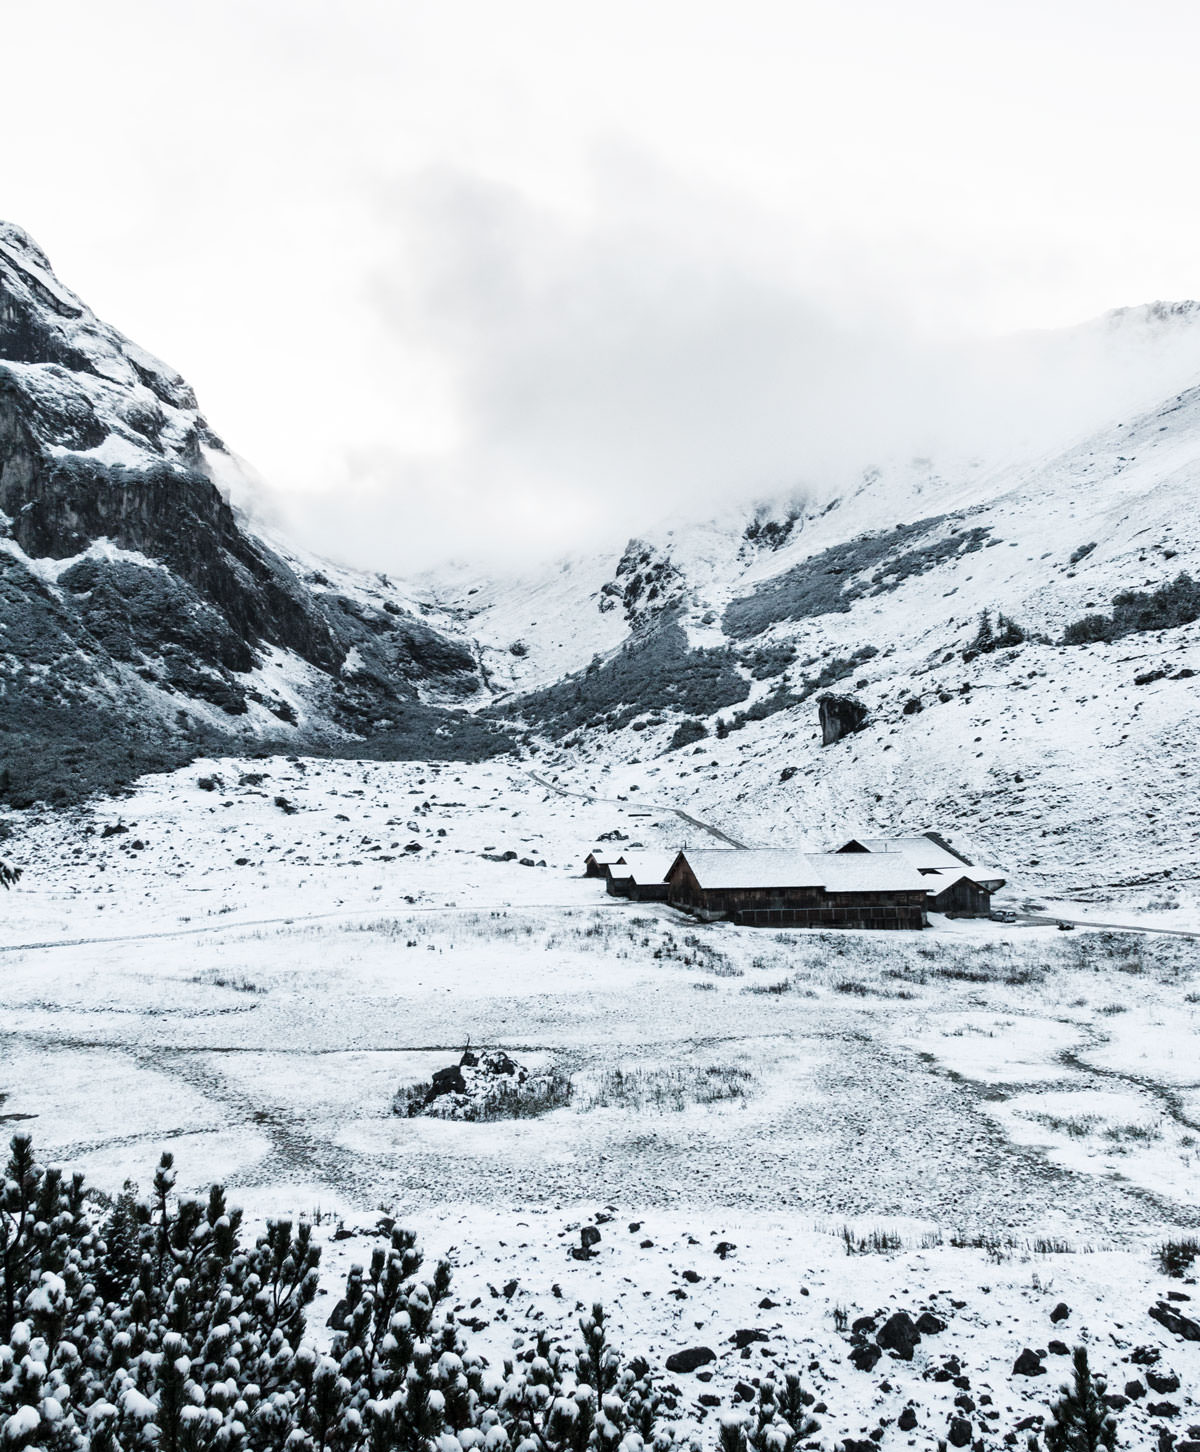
865, 1356
1028, 1364
958, 1434
1134, 1390
907, 1420
692, 1359
1058, 1348
448, 1081
745, 1338
1175, 1321
1162, 1409
1162, 1383
589, 1236
899, 1335
930, 1325
1060, 1312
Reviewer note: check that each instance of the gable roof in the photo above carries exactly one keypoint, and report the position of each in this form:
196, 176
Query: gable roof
725, 867
921, 851
644, 866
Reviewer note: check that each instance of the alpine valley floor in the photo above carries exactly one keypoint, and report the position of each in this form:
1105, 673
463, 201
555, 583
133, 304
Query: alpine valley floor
243, 962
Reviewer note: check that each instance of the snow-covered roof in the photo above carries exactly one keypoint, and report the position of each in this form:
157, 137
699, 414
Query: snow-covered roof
644, 866
921, 851
725, 867
946, 877
939, 865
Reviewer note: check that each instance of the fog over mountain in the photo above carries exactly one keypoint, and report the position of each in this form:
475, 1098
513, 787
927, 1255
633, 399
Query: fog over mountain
470, 280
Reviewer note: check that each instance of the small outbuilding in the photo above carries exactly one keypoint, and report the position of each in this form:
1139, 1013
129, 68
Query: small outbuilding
641, 876
952, 882
778, 887
598, 862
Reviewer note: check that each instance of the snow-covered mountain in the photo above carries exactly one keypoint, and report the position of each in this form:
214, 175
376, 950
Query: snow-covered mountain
939, 597
963, 602
142, 620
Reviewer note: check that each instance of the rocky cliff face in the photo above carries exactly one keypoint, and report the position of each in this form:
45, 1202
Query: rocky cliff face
138, 608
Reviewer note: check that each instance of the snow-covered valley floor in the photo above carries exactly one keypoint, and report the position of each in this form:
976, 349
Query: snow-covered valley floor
248, 972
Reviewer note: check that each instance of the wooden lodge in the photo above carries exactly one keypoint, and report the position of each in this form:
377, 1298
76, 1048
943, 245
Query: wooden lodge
954, 884
783, 888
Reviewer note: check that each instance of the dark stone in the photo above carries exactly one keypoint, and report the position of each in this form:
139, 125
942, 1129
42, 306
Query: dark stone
1028, 1364
744, 1391
930, 1325
864, 1325
745, 1338
469, 1060
709, 1399
337, 1317
1162, 1409
964, 1403
1115, 1402
899, 1335
692, 1359
912, 706
510, 1289
1060, 1312
907, 1420
1175, 1321
1145, 1355
958, 1434
1162, 1383
864, 1357
447, 1081
767, 1304
1134, 1390
1058, 1348
840, 716
724, 1248
589, 1236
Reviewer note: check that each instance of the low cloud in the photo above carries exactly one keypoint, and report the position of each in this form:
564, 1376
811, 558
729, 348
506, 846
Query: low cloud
659, 354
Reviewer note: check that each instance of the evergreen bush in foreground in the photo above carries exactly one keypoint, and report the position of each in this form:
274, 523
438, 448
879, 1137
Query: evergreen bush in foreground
158, 1330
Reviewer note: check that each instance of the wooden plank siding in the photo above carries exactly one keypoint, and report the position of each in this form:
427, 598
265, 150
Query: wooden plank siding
798, 906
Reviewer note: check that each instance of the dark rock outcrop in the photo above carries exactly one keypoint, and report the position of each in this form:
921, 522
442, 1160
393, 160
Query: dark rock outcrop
137, 604
840, 716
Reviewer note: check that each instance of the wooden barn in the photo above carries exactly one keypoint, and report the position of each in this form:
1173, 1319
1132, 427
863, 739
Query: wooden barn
641, 876
782, 888
953, 883
597, 862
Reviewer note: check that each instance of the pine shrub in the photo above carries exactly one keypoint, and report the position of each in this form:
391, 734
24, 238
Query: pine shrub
156, 1329
1081, 1420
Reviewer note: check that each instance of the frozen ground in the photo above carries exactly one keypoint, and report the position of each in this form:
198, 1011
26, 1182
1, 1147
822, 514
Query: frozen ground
249, 971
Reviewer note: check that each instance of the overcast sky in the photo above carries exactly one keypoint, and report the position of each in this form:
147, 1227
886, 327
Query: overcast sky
504, 275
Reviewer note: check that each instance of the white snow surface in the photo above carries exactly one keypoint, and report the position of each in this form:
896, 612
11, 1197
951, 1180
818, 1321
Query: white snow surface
249, 971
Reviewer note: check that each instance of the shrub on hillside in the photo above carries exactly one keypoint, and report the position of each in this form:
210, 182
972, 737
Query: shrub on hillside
159, 1329
1134, 611
687, 733
994, 633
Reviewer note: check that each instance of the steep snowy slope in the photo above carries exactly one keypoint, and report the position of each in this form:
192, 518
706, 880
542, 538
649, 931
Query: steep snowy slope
141, 620
1007, 699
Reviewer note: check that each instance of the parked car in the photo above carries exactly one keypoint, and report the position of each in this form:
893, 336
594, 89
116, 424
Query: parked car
1002, 915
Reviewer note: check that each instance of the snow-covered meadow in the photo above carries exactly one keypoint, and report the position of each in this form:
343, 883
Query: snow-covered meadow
996, 1117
